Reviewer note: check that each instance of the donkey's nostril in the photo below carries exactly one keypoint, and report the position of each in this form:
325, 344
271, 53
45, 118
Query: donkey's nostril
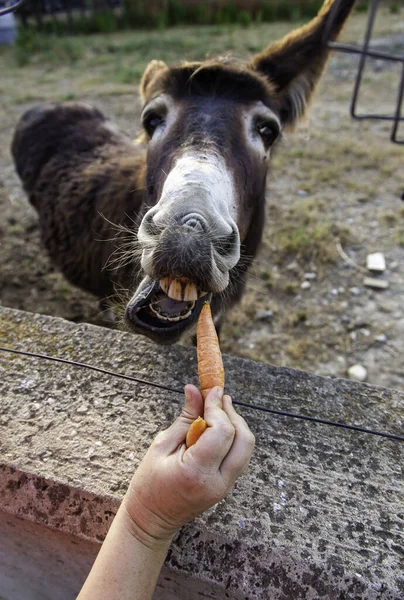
195, 222
227, 245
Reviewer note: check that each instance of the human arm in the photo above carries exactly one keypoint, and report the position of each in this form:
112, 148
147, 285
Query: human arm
172, 485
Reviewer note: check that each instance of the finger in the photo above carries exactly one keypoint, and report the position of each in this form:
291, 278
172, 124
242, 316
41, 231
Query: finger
214, 398
169, 439
216, 441
193, 407
242, 448
213, 412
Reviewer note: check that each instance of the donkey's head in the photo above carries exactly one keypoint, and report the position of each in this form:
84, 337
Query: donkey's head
210, 128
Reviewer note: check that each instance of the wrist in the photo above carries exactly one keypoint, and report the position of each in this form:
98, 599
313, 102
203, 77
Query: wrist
151, 531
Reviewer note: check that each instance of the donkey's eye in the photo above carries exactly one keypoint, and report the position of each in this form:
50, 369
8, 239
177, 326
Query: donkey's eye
151, 122
268, 132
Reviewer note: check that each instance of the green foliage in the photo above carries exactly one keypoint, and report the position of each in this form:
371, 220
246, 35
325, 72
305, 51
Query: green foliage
362, 6
105, 22
289, 10
29, 44
395, 7
245, 18
136, 14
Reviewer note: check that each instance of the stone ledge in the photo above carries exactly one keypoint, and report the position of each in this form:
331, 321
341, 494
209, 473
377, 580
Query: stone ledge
318, 514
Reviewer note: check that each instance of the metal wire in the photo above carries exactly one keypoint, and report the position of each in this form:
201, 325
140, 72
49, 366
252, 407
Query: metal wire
12, 8
365, 52
273, 411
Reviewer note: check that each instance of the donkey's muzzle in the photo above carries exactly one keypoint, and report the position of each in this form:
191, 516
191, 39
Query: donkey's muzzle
184, 263
198, 246
185, 252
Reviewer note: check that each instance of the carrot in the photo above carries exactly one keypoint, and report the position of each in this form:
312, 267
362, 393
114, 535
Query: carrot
210, 363
210, 366
195, 431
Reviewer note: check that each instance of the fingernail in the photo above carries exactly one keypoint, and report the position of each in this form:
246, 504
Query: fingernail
228, 399
218, 391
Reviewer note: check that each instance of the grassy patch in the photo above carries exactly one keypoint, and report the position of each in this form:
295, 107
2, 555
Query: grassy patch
297, 350
398, 237
308, 242
52, 49
396, 221
303, 233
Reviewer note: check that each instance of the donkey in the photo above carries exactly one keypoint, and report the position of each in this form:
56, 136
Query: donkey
191, 197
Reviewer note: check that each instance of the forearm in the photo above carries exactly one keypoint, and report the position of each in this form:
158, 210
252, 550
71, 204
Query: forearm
125, 568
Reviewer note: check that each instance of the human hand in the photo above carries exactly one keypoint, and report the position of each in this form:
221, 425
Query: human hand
174, 484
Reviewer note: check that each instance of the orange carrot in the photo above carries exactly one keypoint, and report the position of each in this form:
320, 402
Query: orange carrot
195, 431
210, 364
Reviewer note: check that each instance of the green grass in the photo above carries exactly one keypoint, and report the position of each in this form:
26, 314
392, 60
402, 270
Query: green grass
132, 51
114, 63
53, 49
308, 240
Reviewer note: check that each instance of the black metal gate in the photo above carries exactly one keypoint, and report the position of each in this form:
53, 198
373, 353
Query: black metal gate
365, 51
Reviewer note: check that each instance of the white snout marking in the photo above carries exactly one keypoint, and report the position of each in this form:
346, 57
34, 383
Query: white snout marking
201, 182
198, 183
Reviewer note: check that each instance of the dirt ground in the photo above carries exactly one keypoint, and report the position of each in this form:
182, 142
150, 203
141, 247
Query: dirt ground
334, 181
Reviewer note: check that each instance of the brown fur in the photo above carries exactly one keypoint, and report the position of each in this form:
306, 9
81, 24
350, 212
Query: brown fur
82, 174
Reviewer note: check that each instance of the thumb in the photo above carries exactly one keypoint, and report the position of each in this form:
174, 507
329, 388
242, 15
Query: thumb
193, 407
171, 438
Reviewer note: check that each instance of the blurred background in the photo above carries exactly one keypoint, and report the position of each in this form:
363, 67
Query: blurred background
107, 16
335, 190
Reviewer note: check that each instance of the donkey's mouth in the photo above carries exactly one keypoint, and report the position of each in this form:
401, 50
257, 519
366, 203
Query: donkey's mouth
162, 310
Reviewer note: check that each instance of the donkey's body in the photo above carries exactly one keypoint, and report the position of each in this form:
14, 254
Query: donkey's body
192, 199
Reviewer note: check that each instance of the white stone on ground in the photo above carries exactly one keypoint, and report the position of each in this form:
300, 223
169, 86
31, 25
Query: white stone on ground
357, 373
376, 262
377, 284
264, 315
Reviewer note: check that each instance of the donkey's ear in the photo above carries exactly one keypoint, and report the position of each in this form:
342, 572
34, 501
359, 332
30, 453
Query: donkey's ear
295, 63
153, 68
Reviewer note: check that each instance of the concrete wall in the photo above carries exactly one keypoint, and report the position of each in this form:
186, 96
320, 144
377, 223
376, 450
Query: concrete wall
39, 563
317, 515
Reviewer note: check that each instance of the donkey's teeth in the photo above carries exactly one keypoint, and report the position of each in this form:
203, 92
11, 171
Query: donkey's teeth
179, 289
165, 284
190, 293
175, 290
155, 309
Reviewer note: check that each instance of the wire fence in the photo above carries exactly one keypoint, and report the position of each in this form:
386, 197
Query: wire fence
267, 409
